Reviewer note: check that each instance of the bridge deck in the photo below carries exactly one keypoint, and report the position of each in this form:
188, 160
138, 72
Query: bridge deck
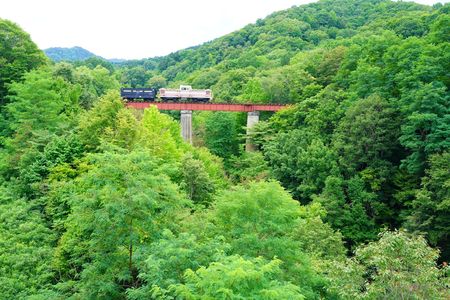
207, 106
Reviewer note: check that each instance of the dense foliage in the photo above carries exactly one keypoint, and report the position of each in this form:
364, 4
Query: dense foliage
347, 196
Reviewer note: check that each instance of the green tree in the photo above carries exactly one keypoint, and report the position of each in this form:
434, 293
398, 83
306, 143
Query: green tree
64, 70
60, 150
169, 259
118, 207
250, 166
431, 206
135, 77
196, 182
231, 84
94, 83
160, 134
301, 162
42, 106
41, 102
221, 134
319, 239
213, 166
288, 84
350, 209
257, 220
18, 54
237, 278
253, 92
26, 248
398, 266
426, 129
108, 121
367, 135
94, 61
157, 82
206, 79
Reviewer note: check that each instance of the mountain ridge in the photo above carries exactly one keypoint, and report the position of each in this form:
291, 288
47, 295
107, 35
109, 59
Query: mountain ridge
75, 53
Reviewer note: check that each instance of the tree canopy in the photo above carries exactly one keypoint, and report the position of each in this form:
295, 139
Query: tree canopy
346, 195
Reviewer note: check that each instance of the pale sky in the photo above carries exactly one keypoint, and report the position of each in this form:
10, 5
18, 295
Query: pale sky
134, 29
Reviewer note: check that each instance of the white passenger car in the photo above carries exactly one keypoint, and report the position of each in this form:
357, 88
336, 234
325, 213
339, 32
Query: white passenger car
185, 92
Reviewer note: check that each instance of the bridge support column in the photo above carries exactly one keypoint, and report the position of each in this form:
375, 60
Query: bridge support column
186, 125
252, 119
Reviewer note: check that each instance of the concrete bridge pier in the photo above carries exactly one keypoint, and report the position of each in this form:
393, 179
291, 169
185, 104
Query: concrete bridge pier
252, 119
186, 125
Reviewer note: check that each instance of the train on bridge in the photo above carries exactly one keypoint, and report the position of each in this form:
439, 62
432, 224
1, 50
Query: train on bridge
184, 93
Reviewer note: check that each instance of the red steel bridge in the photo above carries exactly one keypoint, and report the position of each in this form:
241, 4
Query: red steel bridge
207, 106
187, 108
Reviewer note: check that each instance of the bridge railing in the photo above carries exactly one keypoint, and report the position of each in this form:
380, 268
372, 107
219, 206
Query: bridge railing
207, 106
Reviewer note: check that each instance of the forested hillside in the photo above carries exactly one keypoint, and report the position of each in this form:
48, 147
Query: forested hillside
347, 197
68, 54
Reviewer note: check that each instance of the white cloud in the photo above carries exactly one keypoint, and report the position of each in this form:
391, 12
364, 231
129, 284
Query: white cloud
136, 28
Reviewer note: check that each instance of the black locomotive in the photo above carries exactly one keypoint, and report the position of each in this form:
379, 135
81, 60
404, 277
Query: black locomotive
148, 94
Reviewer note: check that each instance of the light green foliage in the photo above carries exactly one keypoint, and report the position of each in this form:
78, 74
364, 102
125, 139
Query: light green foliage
213, 166
253, 92
118, 207
439, 32
257, 221
398, 266
238, 210
41, 107
26, 248
321, 113
412, 24
231, 83
260, 220
125, 130
170, 257
18, 54
160, 134
318, 239
237, 278
41, 102
107, 121
403, 267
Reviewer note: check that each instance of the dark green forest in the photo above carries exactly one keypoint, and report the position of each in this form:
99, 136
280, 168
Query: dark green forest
346, 197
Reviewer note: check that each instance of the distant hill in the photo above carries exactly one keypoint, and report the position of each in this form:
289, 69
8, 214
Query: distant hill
68, 54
